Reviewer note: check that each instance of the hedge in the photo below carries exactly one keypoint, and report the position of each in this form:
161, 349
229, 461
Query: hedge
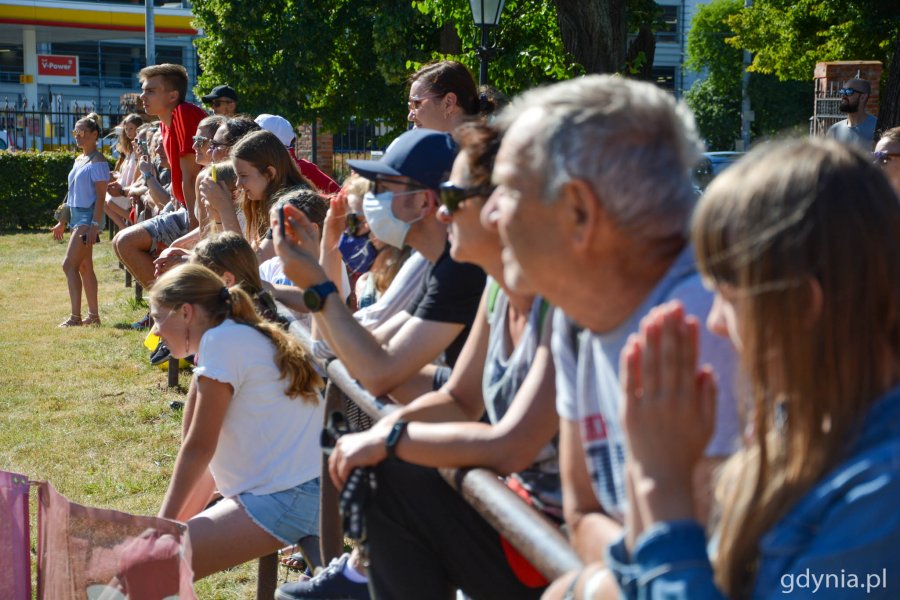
32, 185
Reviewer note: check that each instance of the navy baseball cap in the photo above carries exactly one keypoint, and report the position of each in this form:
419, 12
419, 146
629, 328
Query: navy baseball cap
220, 91
424, 155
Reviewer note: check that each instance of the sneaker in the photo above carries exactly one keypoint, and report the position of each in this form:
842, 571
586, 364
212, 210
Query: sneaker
160, 355
330, 583
142, 324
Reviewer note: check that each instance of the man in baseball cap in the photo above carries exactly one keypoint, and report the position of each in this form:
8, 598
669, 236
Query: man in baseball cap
223, 100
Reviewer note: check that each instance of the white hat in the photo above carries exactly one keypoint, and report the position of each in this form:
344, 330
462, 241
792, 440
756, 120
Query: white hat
280, 126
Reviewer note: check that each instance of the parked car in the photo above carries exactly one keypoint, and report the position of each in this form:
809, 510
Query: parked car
4, 141
711, 165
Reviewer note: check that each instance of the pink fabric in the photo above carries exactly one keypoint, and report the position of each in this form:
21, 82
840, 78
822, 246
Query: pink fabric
15, 579
98, 553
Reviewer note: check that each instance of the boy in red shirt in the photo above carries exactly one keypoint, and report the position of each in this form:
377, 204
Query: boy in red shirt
163, 92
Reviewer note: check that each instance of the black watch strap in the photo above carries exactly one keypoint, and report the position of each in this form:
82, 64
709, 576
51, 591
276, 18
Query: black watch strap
393, 438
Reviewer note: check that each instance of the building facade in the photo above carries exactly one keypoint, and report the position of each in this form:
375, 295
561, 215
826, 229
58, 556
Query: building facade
107, 37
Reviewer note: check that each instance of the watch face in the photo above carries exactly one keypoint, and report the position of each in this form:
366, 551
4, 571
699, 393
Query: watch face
312, 300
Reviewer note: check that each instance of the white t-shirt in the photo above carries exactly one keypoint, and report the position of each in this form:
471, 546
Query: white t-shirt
587, 381
269, 442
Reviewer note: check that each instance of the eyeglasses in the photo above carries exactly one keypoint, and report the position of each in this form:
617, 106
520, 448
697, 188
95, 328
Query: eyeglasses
415, 102
452, 195
78, 132
848, 92
199, 140
214, 145
882, 158
413, 186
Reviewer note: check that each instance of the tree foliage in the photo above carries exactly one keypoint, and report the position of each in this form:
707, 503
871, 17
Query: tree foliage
788, 37
305, 59
716, 100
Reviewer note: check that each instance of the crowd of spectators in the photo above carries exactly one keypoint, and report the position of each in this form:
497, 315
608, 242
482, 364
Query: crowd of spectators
701, 393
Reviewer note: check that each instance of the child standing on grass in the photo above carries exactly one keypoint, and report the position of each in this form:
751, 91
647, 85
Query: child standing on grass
254, 431
87, 190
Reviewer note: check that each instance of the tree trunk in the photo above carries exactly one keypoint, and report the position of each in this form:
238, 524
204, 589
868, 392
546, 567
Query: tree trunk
639, 58
889, 111
594, 32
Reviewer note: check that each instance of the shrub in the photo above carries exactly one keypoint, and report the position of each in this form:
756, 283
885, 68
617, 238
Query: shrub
32, 185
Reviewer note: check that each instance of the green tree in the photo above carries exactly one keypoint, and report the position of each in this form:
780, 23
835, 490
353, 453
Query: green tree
788, 37
306, 59
716, 99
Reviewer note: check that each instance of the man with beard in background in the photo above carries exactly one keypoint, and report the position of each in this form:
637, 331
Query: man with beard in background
859, 126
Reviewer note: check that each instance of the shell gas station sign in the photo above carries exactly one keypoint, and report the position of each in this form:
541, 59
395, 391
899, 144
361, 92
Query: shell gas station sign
57, 69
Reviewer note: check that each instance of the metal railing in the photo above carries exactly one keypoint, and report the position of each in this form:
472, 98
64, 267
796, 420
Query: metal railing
49, 127
359, 141
532, 534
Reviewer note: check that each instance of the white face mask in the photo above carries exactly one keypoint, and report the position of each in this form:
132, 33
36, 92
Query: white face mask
382, 221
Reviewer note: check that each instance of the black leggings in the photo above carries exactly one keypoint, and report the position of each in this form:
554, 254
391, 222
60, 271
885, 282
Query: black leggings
426, 542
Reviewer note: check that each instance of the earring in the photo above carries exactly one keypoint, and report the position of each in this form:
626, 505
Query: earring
187, 342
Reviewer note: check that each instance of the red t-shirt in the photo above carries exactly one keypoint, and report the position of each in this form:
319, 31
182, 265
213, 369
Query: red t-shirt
315, 175
178, 140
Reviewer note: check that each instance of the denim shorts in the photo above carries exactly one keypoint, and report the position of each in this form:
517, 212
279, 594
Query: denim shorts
80, 216
289, 515
167, 227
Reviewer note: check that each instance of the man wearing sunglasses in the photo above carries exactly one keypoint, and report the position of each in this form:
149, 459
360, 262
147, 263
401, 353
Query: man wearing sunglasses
223, 100
859, 126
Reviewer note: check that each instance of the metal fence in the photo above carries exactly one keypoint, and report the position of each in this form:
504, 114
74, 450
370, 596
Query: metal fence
49, 127
361, 140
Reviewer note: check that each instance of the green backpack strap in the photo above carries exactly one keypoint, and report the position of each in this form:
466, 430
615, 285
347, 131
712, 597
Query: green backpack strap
493, 292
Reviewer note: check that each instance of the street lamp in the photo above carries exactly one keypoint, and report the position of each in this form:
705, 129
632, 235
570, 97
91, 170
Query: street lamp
486, 14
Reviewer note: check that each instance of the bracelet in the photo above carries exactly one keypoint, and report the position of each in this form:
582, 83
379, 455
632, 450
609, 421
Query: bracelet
95, 223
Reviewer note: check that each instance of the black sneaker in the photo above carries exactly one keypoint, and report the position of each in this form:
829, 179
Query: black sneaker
160, 355
329, 583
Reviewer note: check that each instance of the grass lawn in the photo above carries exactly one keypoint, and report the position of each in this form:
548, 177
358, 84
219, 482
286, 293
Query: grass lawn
81, 407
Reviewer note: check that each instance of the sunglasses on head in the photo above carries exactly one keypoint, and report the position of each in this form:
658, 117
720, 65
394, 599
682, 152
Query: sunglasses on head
452, 195
848, 92
882, 158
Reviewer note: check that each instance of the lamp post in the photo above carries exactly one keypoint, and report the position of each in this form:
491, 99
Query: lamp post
486, 14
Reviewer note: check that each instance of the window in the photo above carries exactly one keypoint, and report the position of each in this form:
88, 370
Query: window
664, 77
668, 25
11, 63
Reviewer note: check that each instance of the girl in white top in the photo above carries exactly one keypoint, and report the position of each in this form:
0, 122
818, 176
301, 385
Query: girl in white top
87, 186
254, 430
117, 202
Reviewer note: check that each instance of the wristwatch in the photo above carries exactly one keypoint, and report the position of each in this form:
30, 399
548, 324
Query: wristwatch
314, 297
390, 443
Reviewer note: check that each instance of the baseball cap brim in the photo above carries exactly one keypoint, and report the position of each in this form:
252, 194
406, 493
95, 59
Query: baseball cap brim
371, 168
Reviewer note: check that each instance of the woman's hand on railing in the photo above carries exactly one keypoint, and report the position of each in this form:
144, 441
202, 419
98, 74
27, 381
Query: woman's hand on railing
363, 449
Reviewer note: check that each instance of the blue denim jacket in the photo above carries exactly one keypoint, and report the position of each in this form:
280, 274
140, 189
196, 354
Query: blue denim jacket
841, 540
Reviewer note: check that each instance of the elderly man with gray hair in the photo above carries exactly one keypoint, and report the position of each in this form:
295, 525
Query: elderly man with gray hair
593, 203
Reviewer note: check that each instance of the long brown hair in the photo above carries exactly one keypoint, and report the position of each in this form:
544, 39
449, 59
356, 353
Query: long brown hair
123, 144
808, 235
199, 286
263, 149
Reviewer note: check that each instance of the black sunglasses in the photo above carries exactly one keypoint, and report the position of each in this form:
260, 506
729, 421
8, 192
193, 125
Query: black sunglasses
214, 145
452, 195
